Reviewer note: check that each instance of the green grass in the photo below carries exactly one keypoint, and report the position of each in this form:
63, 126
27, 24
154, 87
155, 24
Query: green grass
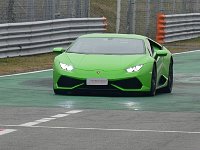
26, 63
185, 45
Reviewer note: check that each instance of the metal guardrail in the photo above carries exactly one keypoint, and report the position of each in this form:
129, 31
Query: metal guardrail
177, 27
18, 39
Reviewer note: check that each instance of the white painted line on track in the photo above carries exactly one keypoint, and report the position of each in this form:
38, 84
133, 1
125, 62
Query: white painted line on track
19, 74
45, 120
60, 115
52, 69
49, 119
36, 122
126, 130
74, 111
186, 52
104, 129
29, 124
6, 131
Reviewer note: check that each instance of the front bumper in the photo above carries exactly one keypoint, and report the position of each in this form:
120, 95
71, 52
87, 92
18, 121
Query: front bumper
78, 84
117, 81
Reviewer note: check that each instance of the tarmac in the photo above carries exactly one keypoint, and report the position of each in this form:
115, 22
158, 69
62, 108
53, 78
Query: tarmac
33, 118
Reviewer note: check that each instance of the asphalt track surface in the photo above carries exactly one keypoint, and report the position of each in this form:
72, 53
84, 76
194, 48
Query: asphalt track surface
33, 118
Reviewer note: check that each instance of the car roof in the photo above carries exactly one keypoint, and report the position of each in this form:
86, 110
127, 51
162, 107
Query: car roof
113, 35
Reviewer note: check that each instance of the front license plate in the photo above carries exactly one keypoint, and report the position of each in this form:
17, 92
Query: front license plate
97, 81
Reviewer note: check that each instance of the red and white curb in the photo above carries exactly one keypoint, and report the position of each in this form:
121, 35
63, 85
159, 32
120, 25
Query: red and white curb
6, 131
36, 122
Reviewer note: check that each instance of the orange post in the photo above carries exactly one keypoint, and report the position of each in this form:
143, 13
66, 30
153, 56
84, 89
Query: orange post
160, 32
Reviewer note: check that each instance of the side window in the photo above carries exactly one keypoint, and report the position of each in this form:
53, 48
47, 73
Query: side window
154, 46
149, 47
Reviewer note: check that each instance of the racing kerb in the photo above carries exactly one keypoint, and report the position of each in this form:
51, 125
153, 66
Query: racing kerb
27, 38
177, 27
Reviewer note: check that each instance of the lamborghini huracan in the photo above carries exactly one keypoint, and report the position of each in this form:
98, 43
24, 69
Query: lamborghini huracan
122, 63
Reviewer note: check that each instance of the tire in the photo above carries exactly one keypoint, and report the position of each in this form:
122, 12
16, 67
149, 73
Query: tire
62, 92
59, 92
168, 88
152, 91
56, 92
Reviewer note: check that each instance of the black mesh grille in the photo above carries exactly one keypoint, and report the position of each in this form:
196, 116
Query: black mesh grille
132, 83
68, 82
97, 87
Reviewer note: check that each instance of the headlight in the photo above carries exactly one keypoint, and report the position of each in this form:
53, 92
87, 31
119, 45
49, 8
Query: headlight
66, 67
134, 69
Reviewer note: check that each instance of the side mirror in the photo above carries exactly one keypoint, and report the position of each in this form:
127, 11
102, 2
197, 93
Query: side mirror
161, 53
58, 50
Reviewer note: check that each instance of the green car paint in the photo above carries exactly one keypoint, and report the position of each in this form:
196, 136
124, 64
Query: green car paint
113, 67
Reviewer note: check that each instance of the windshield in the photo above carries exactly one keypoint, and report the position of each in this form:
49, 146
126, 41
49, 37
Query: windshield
107, 46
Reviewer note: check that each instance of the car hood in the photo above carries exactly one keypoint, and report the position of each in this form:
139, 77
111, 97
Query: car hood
103, 62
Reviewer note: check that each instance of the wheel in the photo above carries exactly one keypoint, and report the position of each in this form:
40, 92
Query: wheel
59, 92
62, 92
152, 91
56, 92
168, 88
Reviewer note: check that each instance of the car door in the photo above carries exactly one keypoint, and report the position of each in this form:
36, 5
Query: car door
159, 60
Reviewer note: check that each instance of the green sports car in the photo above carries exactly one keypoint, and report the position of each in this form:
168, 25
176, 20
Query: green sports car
121, 63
